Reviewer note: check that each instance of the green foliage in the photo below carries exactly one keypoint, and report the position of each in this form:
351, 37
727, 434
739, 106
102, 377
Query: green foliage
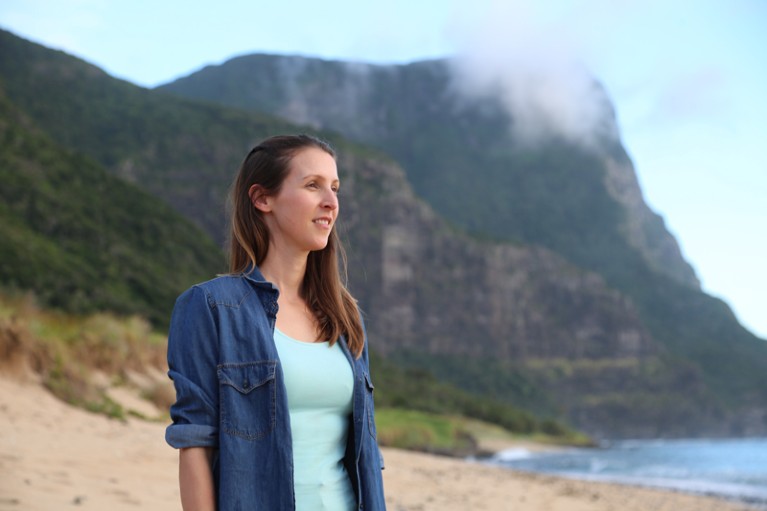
417, 389
703, 330
84, 240
488, 382
409, 429
181, 151
107, 406
72, 354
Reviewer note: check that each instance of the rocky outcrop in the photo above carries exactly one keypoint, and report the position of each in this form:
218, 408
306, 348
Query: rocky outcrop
435, 289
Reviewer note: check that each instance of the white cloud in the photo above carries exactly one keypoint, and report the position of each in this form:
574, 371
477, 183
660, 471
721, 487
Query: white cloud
532, 63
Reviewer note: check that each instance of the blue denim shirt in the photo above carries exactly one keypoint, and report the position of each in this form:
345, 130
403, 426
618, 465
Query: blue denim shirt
230, 395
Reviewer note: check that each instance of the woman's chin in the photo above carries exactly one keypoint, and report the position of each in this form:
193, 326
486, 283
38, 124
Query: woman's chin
319, 245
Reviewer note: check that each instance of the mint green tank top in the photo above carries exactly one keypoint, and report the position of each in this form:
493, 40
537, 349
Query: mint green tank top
319, 384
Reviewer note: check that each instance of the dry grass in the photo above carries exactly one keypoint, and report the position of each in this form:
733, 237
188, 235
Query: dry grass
79, 357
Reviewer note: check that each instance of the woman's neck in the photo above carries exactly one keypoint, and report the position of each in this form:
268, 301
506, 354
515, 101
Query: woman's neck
286, 271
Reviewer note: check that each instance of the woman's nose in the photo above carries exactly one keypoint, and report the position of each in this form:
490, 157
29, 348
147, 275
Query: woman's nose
330, 200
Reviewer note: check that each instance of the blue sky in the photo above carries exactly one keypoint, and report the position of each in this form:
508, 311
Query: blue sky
687, 78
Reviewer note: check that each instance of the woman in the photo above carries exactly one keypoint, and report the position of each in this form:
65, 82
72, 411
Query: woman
274, 401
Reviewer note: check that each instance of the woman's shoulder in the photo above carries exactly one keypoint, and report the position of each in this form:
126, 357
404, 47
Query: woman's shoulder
228, 289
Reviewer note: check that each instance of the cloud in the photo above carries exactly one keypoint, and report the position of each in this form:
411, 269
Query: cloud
532, 63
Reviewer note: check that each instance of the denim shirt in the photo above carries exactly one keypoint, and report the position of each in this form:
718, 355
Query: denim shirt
230, 395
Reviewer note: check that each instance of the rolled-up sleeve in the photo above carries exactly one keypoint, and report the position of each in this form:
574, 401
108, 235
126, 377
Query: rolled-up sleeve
192, 358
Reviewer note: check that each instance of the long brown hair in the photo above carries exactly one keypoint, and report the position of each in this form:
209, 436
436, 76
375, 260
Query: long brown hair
268, 164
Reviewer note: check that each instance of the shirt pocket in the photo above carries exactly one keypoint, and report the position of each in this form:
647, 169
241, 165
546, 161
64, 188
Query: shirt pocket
369, 405
248, 398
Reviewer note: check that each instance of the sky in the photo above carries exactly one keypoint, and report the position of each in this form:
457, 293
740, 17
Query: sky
687, 80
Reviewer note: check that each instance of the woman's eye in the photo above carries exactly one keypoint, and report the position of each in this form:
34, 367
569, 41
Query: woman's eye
312, 185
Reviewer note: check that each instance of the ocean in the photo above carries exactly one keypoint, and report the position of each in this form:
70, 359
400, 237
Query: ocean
734, 469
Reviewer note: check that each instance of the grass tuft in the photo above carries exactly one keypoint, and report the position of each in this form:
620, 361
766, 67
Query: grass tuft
420, 431
70, 354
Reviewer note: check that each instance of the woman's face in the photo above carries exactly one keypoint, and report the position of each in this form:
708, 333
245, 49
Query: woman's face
302, 214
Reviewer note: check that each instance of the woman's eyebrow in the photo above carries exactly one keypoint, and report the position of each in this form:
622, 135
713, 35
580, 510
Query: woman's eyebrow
320, 176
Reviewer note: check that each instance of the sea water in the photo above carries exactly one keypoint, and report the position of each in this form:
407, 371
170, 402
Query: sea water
729, 468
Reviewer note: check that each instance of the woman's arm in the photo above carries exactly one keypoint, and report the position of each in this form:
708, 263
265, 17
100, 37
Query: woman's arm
195, 477
192, 358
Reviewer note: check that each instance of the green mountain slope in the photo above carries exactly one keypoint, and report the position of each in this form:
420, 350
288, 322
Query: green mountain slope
181, 151
83, 240
584, 204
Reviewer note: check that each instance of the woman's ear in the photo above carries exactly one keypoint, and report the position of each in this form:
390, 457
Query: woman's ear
259, 198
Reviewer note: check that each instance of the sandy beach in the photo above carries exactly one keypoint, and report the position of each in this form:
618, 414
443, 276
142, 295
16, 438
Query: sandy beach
54, 456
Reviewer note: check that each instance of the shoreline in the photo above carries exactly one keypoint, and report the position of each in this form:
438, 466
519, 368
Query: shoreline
53, 456
465, 484
729, 491
752, 502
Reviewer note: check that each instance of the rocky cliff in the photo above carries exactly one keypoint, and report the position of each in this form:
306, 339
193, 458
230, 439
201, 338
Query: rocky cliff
433, 288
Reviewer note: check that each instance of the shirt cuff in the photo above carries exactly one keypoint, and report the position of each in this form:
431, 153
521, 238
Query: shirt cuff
180, 436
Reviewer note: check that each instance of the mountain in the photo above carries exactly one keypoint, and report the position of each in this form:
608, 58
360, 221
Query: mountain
84, 240
583, 203
526, 322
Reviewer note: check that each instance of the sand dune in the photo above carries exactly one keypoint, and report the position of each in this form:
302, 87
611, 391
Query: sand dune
54, 457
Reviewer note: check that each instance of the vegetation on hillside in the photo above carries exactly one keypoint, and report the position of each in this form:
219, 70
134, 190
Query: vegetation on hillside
401, 387
183, 152
455, 435
83, 240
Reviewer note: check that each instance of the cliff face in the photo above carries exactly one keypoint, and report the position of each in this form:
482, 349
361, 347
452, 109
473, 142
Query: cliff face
431, 288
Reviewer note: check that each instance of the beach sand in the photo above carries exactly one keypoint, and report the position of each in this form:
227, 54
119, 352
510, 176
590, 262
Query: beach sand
54, 457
